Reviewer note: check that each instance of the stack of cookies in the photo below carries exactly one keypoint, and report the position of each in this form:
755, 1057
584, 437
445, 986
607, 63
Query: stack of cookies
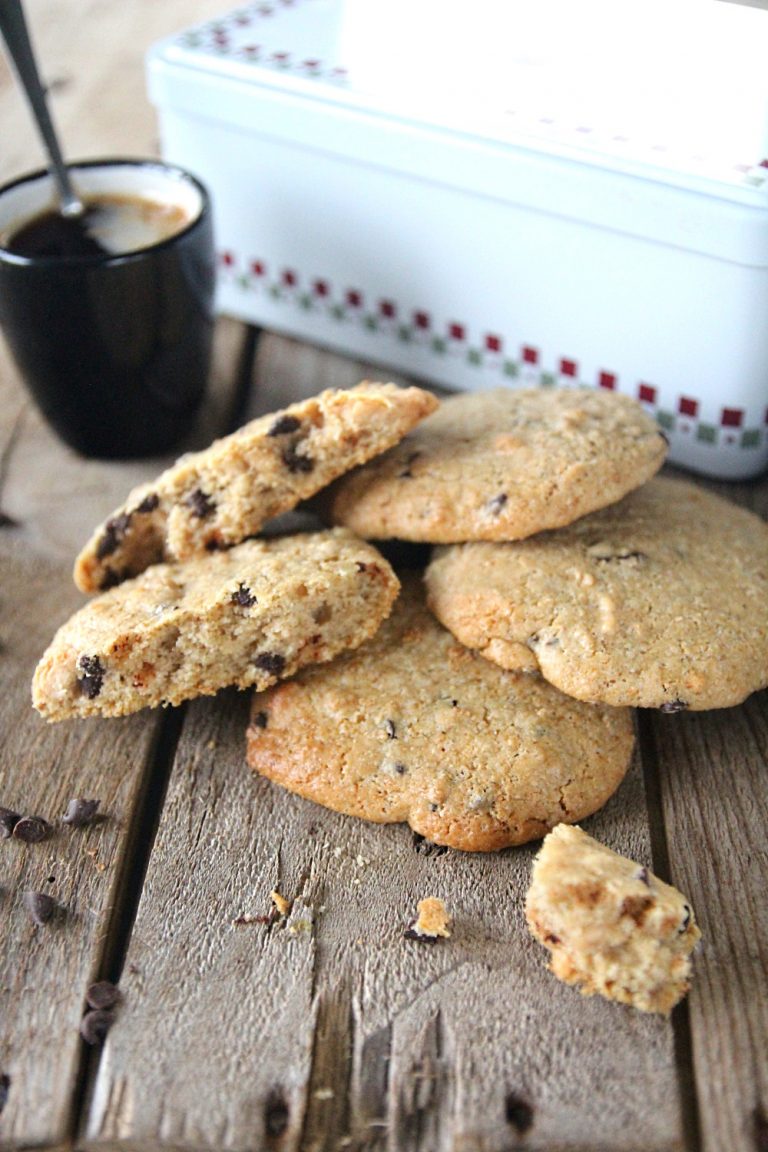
483, 704
485, 701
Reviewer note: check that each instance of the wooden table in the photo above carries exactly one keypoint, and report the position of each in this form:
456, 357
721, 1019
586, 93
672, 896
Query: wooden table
327, 1030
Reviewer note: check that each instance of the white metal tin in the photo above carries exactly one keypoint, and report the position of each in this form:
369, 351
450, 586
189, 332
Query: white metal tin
494, 223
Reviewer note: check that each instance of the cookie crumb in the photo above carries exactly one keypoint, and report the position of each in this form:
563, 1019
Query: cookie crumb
432, 922
300, 926
282, 905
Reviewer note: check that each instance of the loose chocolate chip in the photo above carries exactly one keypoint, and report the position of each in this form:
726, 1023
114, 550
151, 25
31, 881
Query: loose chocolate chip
201, 504
114, 534
260, 719
389, 728
495, 505
95, 1025
518, 1112
283, 425
40, 906
80, 812
296, 461
276, 1114
243, 596
5, 1087
673, 706
31, 829
271, 662
426, 847
8, 821
686, 918
642, 874
760, 1129
148, 504
103, 994
110, 579
90, 675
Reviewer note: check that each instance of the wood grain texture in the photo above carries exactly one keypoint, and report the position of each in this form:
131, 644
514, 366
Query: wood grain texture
712, 769
45, 969
357, 1036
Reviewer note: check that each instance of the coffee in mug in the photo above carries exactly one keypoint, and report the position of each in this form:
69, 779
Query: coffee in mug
109, 317
110, 224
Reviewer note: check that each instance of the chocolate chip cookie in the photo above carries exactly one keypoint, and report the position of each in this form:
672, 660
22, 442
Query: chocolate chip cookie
414, 727
247, 616
215, 498
502, 465
660, 601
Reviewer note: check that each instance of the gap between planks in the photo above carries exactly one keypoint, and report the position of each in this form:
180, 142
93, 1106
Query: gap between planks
151, 796
681, 1022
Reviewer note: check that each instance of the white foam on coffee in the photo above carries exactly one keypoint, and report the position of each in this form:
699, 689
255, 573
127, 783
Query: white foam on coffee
154, 182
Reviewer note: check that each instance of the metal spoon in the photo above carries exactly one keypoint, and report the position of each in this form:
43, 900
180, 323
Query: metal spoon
13, 28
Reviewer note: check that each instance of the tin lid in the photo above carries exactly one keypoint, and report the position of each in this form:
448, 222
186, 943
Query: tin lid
674, 90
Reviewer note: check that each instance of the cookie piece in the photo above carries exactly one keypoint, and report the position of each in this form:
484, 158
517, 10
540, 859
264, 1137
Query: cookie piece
660, 601
432, 921
502, 465
250, 615
216, 498
611, 926
415, 727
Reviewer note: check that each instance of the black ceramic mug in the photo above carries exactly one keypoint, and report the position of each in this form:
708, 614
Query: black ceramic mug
115, 346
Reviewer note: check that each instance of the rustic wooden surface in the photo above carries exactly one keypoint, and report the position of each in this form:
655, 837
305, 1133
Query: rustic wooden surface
326, 1030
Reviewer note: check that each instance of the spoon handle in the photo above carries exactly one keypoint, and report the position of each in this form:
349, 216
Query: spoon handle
13, 28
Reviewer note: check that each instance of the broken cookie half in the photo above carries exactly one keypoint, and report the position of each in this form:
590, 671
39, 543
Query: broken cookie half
246, 617
611, 926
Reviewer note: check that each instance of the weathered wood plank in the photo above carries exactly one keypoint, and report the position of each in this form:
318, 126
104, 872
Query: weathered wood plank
712, 772
45, 969
214, 1043
468, 1044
